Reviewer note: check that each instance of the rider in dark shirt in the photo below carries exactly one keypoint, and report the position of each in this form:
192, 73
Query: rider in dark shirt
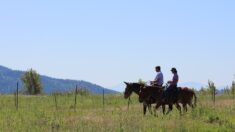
175, 79
171, 91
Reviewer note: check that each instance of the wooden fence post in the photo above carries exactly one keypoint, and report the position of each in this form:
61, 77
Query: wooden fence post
103, 98
15, 99
214, 94
55, 99
212, 89
75, 101
129, 101
17, 96
233, 90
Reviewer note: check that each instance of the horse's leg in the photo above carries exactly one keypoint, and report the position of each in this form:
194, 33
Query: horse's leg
170, 108
155, 112
179, 108
156, 107
150, 108
164, 109
144, 107
185, 107
191, 104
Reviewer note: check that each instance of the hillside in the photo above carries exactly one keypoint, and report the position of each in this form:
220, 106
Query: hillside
8, 79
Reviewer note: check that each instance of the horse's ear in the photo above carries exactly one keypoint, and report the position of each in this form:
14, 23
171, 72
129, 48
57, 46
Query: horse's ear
126, 83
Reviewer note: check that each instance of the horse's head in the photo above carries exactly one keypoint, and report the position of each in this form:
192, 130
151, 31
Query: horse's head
131, 87
143, 94
128, 90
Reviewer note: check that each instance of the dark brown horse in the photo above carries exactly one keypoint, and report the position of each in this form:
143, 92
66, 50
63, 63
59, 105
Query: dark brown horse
135, 87
185, 97
156, 93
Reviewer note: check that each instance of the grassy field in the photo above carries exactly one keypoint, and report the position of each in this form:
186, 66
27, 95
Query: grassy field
39, 113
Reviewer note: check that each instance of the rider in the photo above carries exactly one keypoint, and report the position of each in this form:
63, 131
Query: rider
171, 91
158, 81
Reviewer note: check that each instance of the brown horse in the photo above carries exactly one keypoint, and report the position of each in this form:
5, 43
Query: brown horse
135, 87
184, 96
157, 93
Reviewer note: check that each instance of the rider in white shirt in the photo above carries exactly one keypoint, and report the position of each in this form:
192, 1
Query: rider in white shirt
158, 81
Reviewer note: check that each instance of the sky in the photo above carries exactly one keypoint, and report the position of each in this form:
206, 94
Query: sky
108, 42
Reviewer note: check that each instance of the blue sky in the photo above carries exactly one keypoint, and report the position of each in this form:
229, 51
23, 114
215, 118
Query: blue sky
108, 42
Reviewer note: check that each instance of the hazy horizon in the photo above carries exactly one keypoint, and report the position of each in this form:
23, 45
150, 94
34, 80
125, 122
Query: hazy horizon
108, 42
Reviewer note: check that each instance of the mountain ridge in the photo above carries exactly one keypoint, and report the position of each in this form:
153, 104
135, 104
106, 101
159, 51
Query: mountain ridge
9, 78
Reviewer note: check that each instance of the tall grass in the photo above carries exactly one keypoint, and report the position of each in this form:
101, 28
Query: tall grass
38, 113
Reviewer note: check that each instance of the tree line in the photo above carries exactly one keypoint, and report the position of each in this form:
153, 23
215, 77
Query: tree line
211, 89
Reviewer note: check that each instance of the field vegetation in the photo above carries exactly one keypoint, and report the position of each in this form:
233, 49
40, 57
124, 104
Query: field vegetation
58, 113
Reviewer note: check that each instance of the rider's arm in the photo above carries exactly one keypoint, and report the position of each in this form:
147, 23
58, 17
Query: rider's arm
170, 82
174, 80
157, 79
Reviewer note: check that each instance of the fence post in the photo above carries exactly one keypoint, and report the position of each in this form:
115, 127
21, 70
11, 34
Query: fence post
15, 99
233, 90
75, 101
103, 98
17, 96
212, 89
55, 99
214, 94
129, 101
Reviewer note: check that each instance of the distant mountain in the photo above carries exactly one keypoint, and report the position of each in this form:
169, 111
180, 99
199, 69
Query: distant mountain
8, 79
195, 85
198, 86
120, 87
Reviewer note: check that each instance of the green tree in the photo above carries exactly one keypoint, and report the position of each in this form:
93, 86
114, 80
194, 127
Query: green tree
32, 82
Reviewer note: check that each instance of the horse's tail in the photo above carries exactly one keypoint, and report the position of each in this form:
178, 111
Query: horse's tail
195, 99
